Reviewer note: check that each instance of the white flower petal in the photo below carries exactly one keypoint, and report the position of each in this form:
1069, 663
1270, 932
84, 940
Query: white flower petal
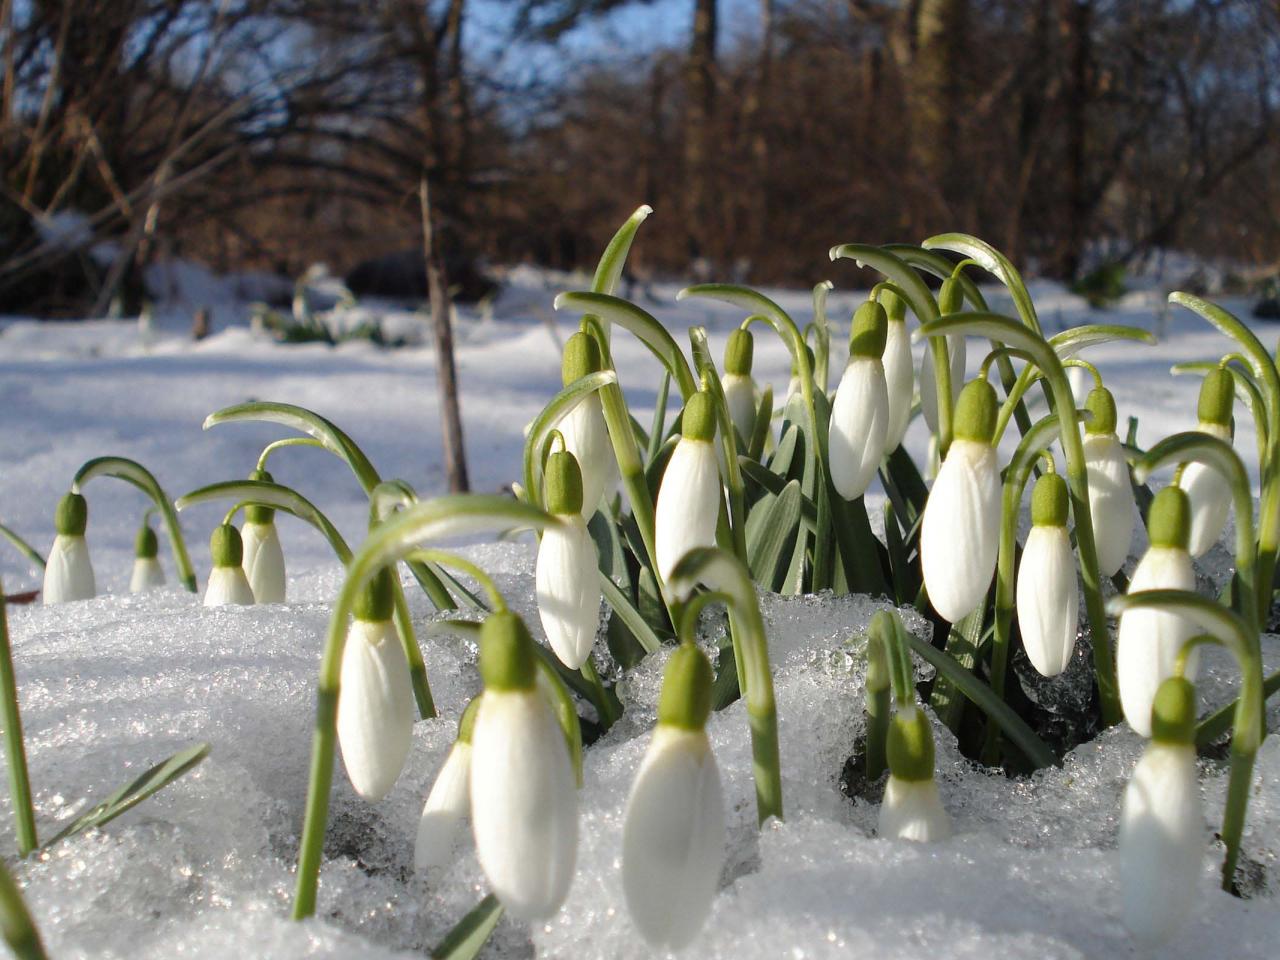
524, 805
1148, 641
68, 574
673, 838
899, 378
912, 810
1048, 599
1161, 842
147, 575
264, 562
445, 813
740, 398
928, 384
1209, 494
375, 708
959, 536
688, 503
587, 438
859, 420
1111, 503
568, 590
228, 585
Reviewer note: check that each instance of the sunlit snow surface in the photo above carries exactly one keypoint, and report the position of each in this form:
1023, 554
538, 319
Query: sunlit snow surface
205, 869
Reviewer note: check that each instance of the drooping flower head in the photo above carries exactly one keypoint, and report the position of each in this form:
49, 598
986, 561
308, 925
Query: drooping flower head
689, 497
1111, 503
263, 556
449, 802
1047, 592
1148, 641
860, 412
1161, 841
585, 434
911, 809
566, 578
899, 371
1207, 489
147, 573
959, 536
524, 805
227, 582
739, 388
674, 830
68, 574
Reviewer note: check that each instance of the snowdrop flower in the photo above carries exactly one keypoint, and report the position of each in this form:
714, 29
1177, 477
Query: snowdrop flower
673, 831
1162, 822
1207, 489
1047, 595
689, 497
68, 574
959, 536
375, 703
227, 582
449, 801
950, 300
583, 427
147, 574
263, 558
1111, 503
899, 371
566, 579
860, 412
739, 388
524, 805
1148, 641
912, 809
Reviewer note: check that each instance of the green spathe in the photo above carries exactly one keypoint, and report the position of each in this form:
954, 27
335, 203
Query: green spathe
976, 410
1049, 501
910, 745
685, 701
507, 660
226, 546
1217, 395
72, 515
145, 544
376, 601
253, 513
870, 329
581, 357
564, 484
738, 353
699, 420
1102, 405
1169, 519
1173, 712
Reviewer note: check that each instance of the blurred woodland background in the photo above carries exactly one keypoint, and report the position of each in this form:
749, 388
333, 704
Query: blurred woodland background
271, 134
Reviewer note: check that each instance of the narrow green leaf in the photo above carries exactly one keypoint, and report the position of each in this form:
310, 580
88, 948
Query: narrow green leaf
465, 940
629, 615
764, 419
995, 263
614, 258
962, 647
772, 533
659, 418
1070, 342
23, 547
546, 421
276, 496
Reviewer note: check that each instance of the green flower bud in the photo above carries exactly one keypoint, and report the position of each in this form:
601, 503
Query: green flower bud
254, 513
1173, 712
738, 352
145, 545
1169, 519
507, 660
976, 409
226, 546
1217, 395
685, 701
699, 420
71, 516
376, 600
870, 329
894, 306
564, 484
950, 297
910, 745
581, 357
1102, 405
1049, 501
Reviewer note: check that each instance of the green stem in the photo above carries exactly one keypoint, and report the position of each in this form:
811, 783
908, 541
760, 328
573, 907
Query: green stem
15, 749
15, 921
275, 445
600, 699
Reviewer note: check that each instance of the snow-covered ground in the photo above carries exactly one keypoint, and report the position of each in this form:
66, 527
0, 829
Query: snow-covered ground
205, 869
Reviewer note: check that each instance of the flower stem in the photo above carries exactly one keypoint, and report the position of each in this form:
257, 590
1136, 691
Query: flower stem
15, 921
14, 746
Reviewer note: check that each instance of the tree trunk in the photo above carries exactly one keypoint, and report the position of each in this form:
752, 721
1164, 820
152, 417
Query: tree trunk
936, 97
755, 112
1073, 28
455, 455
699, 111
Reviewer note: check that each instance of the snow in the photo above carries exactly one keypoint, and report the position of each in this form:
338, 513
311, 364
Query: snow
205, 868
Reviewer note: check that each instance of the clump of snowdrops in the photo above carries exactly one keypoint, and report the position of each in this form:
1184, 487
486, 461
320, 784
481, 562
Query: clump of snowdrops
712, 505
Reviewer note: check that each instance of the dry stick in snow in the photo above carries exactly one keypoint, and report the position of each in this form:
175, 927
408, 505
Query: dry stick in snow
455, 457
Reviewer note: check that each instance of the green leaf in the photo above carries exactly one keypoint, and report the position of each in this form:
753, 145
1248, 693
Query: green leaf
768, 536
659, 418
465, 940
764, 419
888, 264
134, 792
276, 496
614, 258
775, 485
1070, 342
629, 615
962, 647
995, 263
546, 421
24, 548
